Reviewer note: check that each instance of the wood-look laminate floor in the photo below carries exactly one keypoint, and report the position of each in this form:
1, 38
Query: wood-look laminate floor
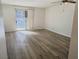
37, 44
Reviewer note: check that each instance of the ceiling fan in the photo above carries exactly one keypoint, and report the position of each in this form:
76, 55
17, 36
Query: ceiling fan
64, 1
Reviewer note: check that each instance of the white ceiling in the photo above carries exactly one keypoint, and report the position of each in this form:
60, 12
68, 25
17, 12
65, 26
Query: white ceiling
31, 3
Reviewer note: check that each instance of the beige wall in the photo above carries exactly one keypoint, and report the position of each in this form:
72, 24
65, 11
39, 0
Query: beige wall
9, 18
35, 17
3, 50
73, 52
59, 18
39, 18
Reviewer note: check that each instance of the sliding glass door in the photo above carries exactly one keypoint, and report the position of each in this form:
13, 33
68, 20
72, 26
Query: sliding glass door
21, 19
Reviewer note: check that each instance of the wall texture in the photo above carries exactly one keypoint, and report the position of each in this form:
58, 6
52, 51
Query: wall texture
59, 18
3, 50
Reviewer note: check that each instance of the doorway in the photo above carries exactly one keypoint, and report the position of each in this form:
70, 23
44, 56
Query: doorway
21, 19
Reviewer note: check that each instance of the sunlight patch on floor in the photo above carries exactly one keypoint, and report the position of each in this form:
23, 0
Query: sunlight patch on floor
29, 32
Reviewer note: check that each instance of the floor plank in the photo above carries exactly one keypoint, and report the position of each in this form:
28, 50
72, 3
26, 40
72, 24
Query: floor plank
37, 44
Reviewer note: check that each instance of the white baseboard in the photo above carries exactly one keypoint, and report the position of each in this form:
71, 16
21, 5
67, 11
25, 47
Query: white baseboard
60, 33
